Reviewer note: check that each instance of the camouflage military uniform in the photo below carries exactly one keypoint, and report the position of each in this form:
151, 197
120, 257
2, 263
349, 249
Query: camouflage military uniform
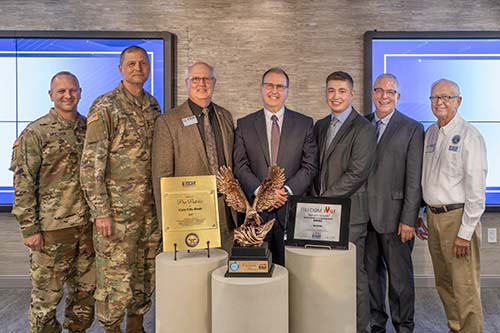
116, 178
49, 200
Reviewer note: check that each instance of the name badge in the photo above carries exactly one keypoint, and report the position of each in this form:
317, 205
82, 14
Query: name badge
430, 148
188, 121
453, 148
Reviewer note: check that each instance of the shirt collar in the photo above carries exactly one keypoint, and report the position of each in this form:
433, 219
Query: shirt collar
64, 122
278, 114
343, 116
452, 125
386, 119
138, 101
197, 110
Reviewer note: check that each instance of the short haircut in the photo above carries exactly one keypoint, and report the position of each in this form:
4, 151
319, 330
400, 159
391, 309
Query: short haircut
133, 48
189, 68
277, 70
340, 76
62, 73
453, 83
388, 76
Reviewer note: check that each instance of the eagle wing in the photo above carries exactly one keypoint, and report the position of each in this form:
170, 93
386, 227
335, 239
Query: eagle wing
265, 196
230, 187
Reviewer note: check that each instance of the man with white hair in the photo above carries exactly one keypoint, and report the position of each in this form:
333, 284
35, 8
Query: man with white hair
195, 139
453, 185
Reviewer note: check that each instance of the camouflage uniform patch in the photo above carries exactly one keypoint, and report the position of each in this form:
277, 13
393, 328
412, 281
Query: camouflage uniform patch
116, 178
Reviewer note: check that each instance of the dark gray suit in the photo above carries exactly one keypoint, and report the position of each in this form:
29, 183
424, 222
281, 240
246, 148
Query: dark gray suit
394, 196
297, 154
344, 169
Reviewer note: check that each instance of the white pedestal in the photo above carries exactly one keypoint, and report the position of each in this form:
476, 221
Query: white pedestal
249, 305
322, 289
183, 290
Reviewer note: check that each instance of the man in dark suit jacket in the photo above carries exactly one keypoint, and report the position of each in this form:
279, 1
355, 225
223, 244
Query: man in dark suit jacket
394, 196
180, 142
347, 143
275, 135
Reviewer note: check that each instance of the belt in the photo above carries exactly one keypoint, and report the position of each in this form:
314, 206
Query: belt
446, 208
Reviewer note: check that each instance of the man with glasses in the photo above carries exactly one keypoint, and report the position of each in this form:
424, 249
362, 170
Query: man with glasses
275, 135
454, 184
347, 144
394, 197
195, 139
116, 178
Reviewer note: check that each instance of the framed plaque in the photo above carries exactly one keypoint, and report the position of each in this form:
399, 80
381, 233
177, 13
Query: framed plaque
318, 222
190, 216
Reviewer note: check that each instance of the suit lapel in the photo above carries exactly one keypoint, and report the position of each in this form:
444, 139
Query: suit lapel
391, 129
193, 133
285, 136
261, 131
345, 128
225, 130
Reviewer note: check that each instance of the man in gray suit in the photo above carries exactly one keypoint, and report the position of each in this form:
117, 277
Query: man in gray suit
194, 139
394, 196
275, 135
347, 143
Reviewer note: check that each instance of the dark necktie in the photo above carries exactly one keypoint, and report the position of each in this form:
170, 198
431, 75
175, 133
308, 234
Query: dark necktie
378, 124
275, 140
210, 145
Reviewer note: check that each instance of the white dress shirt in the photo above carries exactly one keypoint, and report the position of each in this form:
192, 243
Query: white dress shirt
455, 169
269, 125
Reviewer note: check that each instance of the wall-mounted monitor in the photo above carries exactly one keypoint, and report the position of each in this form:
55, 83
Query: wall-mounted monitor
418, 59
28, 60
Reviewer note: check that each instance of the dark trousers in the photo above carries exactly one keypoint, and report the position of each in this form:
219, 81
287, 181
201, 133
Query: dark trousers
387, 257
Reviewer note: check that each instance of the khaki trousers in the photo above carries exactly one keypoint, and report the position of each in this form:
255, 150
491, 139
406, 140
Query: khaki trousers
457, 279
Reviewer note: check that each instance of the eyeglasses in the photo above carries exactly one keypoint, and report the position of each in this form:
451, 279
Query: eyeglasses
270, 86
197, 80
389, 92
444, 99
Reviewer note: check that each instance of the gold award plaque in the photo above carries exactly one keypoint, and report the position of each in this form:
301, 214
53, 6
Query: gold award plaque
190, 216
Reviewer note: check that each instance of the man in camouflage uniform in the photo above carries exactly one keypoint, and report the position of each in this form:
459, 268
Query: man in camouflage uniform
116, 178
52, 213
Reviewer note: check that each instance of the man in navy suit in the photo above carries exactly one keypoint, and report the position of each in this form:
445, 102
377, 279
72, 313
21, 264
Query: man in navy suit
347, 143
275, 135
394, 196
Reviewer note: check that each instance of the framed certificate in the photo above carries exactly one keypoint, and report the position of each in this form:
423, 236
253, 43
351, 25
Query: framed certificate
190, 215
318, 222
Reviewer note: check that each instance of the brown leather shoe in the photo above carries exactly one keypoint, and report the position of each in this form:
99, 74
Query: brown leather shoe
134, 323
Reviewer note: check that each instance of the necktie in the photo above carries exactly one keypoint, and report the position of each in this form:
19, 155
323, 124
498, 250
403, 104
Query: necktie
275, 140
330, 134
210, 145
377, 129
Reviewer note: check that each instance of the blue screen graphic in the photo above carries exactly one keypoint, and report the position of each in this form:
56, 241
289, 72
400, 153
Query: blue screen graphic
27, 65
473, 63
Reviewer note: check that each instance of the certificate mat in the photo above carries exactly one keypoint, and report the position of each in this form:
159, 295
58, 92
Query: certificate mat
190, 215
315, 221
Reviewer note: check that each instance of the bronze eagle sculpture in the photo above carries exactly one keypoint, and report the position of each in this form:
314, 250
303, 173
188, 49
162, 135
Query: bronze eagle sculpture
252, 232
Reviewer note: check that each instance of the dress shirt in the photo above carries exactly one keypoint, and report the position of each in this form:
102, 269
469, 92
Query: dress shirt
455, 169
383, 124
341, 117
269, 125
197, 111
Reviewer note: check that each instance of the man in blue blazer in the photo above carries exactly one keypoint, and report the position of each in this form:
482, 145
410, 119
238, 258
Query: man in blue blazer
347, 143
394, 196
275, 135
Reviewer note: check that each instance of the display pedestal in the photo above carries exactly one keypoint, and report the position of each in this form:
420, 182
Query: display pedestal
322, 289
249, 305
183, 290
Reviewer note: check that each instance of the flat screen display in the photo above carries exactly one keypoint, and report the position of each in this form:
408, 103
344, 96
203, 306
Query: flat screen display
28, 60
418, 59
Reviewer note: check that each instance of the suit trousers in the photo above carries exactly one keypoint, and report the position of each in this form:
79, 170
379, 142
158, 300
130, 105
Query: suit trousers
457, 279
386, 256
275, 238
357, 236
